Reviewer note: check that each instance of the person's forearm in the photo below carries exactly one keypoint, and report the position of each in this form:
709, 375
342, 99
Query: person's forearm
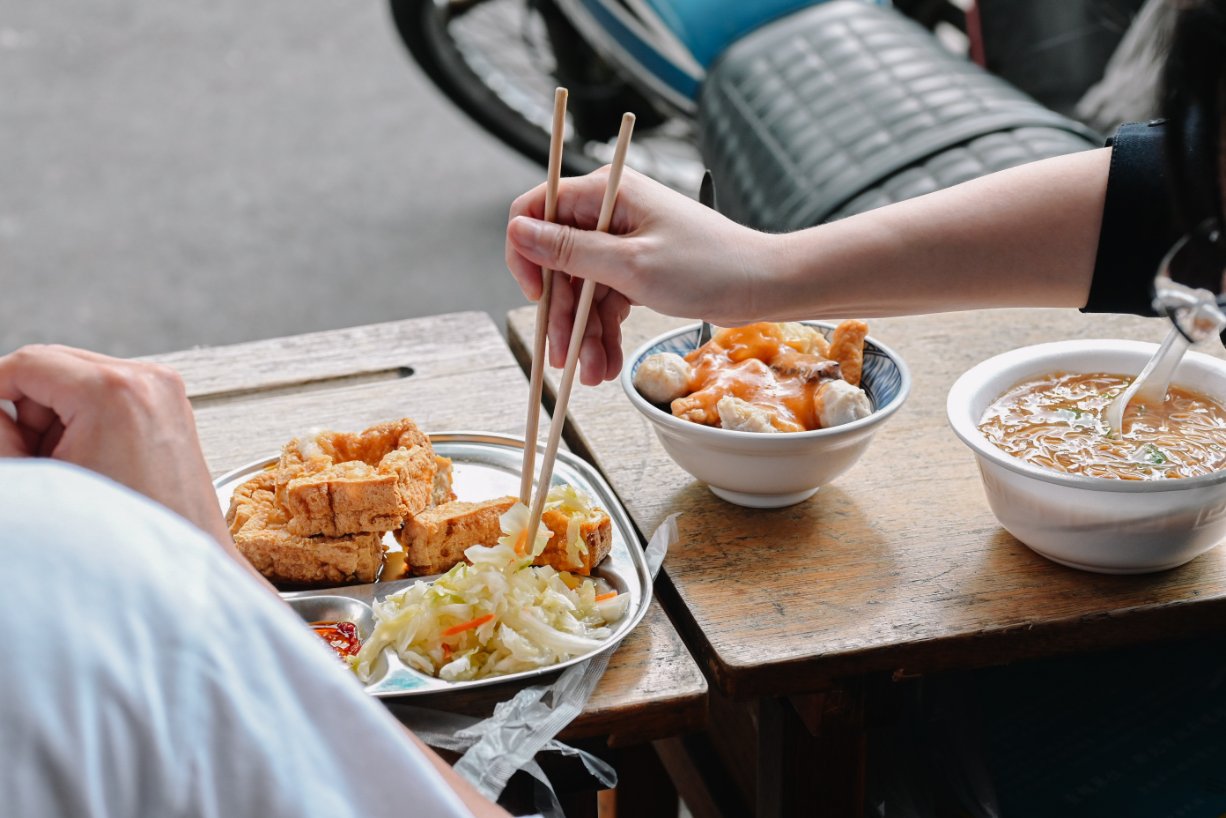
1025, 237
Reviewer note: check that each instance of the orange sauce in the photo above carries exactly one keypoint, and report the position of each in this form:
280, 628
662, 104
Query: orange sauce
737, 361
1057, 422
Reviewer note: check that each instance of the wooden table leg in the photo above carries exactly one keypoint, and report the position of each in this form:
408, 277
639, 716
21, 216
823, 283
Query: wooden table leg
701, 779
644, 789
812, 755
579, 804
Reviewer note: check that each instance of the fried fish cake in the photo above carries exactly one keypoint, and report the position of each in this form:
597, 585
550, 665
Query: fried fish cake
847, 347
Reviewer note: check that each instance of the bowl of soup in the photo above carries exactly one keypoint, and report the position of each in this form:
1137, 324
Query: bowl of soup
1147, 497
766, 417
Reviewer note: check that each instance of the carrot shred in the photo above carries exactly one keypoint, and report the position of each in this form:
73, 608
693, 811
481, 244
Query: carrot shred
603, 597
520, 542
468, 626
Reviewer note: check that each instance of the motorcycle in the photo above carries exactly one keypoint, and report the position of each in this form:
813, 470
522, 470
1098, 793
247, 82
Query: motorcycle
499, 60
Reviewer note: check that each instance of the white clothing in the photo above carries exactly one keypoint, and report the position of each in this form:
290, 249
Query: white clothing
144, 673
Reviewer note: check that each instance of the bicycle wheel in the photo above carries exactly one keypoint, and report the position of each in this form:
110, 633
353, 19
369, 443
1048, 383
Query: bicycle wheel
497, 61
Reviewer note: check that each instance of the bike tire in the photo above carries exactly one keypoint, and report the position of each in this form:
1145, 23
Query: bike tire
514, 99
422, 25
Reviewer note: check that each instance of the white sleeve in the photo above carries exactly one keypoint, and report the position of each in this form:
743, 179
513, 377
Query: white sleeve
144, 673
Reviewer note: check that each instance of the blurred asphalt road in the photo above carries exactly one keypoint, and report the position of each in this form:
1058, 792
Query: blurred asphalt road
181, 174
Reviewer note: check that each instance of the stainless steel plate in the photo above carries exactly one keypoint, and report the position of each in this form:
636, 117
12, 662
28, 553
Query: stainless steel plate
484, 466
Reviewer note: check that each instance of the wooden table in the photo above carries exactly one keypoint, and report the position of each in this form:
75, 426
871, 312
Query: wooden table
895, 570
449, 373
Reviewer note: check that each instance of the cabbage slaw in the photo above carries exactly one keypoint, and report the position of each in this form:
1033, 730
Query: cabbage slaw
499, 614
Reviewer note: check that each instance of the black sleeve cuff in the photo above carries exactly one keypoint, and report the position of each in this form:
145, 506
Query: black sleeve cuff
1138, 223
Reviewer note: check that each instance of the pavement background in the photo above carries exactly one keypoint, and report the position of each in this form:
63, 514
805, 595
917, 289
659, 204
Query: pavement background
174, 175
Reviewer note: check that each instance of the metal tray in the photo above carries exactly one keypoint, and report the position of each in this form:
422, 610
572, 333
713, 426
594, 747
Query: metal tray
484, 466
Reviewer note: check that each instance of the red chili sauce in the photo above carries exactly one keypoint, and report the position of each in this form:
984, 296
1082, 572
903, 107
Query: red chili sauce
342, 637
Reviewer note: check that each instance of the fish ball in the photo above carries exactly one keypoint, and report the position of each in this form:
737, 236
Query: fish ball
843, 403
663, 377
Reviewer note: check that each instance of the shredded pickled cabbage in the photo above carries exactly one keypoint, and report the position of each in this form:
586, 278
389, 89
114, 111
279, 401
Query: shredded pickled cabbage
513, 523
494, 616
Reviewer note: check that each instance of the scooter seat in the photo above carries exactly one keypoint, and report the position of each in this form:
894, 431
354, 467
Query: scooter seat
847, 106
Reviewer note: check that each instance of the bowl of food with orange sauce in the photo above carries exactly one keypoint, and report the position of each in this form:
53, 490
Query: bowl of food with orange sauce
766, 414
1147, 497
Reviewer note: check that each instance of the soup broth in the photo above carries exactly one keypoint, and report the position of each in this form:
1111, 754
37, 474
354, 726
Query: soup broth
1057, 422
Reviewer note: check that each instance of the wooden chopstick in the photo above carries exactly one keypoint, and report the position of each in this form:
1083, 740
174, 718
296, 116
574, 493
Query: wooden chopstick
536, 383
576, 336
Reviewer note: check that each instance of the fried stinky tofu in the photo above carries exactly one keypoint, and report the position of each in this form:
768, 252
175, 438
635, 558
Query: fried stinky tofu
415, 469
314, 454
345, 498
597, 535
442, 491
435, 539
337, 484
371, 445
259, 527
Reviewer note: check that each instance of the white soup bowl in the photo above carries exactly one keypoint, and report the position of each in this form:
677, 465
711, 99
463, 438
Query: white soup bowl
1093, 523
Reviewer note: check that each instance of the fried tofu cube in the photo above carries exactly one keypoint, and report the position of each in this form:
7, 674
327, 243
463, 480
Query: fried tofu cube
346, 498
435, 539
443, 491
305, 456
353, 497
414, 469
258, 525
596, 533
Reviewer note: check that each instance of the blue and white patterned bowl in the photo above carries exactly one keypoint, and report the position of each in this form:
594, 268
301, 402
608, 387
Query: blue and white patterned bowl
770, 470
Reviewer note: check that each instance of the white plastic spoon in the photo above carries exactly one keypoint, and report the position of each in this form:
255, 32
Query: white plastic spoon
1151, 385
1198, 310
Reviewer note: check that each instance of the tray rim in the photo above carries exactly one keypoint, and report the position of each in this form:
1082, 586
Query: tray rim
612, 505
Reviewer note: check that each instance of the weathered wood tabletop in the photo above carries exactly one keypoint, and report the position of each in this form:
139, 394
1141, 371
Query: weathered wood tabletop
449, 373
898, 566
810, 618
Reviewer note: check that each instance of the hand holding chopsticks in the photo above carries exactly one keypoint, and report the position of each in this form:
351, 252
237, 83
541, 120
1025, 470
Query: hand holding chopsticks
576, 340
